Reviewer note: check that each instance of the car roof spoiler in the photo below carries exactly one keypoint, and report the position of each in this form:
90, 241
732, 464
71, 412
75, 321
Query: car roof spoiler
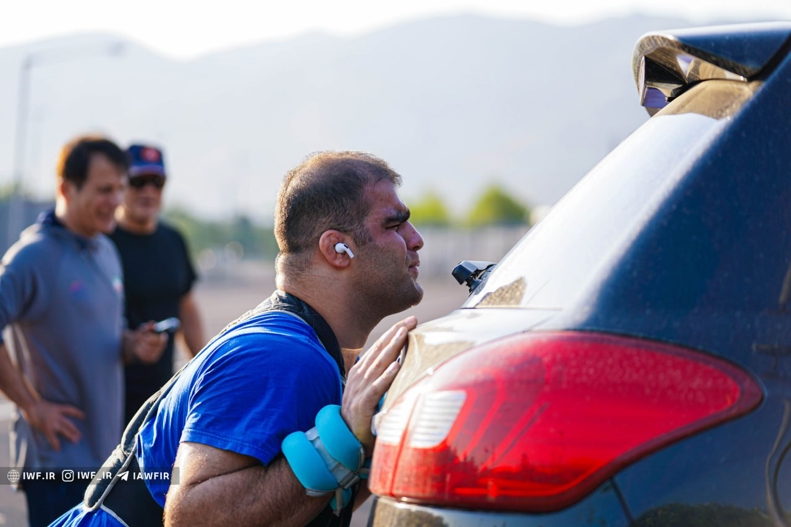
667, 63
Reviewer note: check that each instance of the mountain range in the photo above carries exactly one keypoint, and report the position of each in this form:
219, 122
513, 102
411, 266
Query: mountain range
452, 103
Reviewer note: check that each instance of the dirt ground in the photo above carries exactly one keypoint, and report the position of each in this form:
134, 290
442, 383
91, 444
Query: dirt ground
222, 297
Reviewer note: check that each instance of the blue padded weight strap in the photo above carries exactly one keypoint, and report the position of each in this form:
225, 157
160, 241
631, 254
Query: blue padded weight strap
327, 458
346, 495
365, 470
339, 441
307, 464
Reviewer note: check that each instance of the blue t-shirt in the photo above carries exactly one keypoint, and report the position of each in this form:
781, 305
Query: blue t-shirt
245, 395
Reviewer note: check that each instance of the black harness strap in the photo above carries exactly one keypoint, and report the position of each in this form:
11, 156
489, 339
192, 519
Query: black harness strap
282, 301
128, 498
130, 501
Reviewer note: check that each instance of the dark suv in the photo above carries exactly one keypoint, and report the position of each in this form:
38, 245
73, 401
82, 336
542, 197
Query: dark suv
628, 363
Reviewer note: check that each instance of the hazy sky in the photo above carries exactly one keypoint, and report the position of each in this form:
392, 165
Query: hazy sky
185, 29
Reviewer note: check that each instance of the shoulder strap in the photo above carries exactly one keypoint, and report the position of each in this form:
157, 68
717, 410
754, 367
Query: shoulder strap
121, 458
282, 301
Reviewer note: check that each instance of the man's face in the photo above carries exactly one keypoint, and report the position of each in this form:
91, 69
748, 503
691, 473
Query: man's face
388, 264
143, 198
92, 207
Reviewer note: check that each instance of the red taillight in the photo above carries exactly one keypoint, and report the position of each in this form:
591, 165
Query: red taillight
536, 421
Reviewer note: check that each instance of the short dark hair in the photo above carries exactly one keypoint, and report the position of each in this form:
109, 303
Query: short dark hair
325, 191
75, 157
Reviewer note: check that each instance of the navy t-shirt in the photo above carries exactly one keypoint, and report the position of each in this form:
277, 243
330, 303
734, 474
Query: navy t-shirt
245, 396
157, 274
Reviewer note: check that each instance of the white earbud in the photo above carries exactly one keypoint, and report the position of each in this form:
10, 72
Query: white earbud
341, 248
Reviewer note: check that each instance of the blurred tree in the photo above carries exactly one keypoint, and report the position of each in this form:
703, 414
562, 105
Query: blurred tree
256, 241
200, 234
497, 207
430, 211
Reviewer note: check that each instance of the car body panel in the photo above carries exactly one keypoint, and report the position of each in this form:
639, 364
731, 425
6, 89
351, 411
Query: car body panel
434, 342
729, 219
602, 508
563, 259
681, 235
703, 474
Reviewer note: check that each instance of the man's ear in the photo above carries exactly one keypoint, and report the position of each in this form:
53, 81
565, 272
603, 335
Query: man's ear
66, 189
327, 243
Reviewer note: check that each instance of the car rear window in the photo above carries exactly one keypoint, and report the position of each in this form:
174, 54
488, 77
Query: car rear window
604, 211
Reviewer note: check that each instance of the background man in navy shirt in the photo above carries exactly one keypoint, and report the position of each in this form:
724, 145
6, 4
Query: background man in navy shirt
158, 272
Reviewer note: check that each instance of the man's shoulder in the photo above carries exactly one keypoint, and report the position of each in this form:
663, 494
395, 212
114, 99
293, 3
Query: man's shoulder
164, 237
271, 324
275, 345
280, 332
166, 229
278, 348
171, 237
36, 245
163, 229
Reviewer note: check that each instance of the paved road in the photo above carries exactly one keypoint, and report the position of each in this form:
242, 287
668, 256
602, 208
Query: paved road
221, 300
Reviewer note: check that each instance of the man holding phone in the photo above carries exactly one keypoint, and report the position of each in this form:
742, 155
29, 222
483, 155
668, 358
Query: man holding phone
158, 273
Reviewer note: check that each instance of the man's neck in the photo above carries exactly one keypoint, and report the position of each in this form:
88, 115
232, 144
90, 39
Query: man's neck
134, 226
339, 312
68, 221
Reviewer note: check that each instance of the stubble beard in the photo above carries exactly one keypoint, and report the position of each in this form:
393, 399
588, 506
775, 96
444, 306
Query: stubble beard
387, 289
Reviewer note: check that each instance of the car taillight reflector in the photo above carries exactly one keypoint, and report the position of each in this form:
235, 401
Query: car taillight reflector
536, 421
439, 411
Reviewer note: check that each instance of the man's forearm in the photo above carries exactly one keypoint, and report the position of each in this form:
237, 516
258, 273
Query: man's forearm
12, 384
191, 325
128, 346
255, 495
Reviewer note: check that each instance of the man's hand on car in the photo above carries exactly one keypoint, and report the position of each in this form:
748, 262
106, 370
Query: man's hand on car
369, 379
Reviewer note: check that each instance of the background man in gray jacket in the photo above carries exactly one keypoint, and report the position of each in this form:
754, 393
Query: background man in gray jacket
61, 294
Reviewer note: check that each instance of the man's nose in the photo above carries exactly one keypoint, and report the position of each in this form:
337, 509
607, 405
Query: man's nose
414, 239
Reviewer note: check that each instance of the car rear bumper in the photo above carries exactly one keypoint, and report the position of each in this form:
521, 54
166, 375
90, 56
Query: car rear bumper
603, 507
